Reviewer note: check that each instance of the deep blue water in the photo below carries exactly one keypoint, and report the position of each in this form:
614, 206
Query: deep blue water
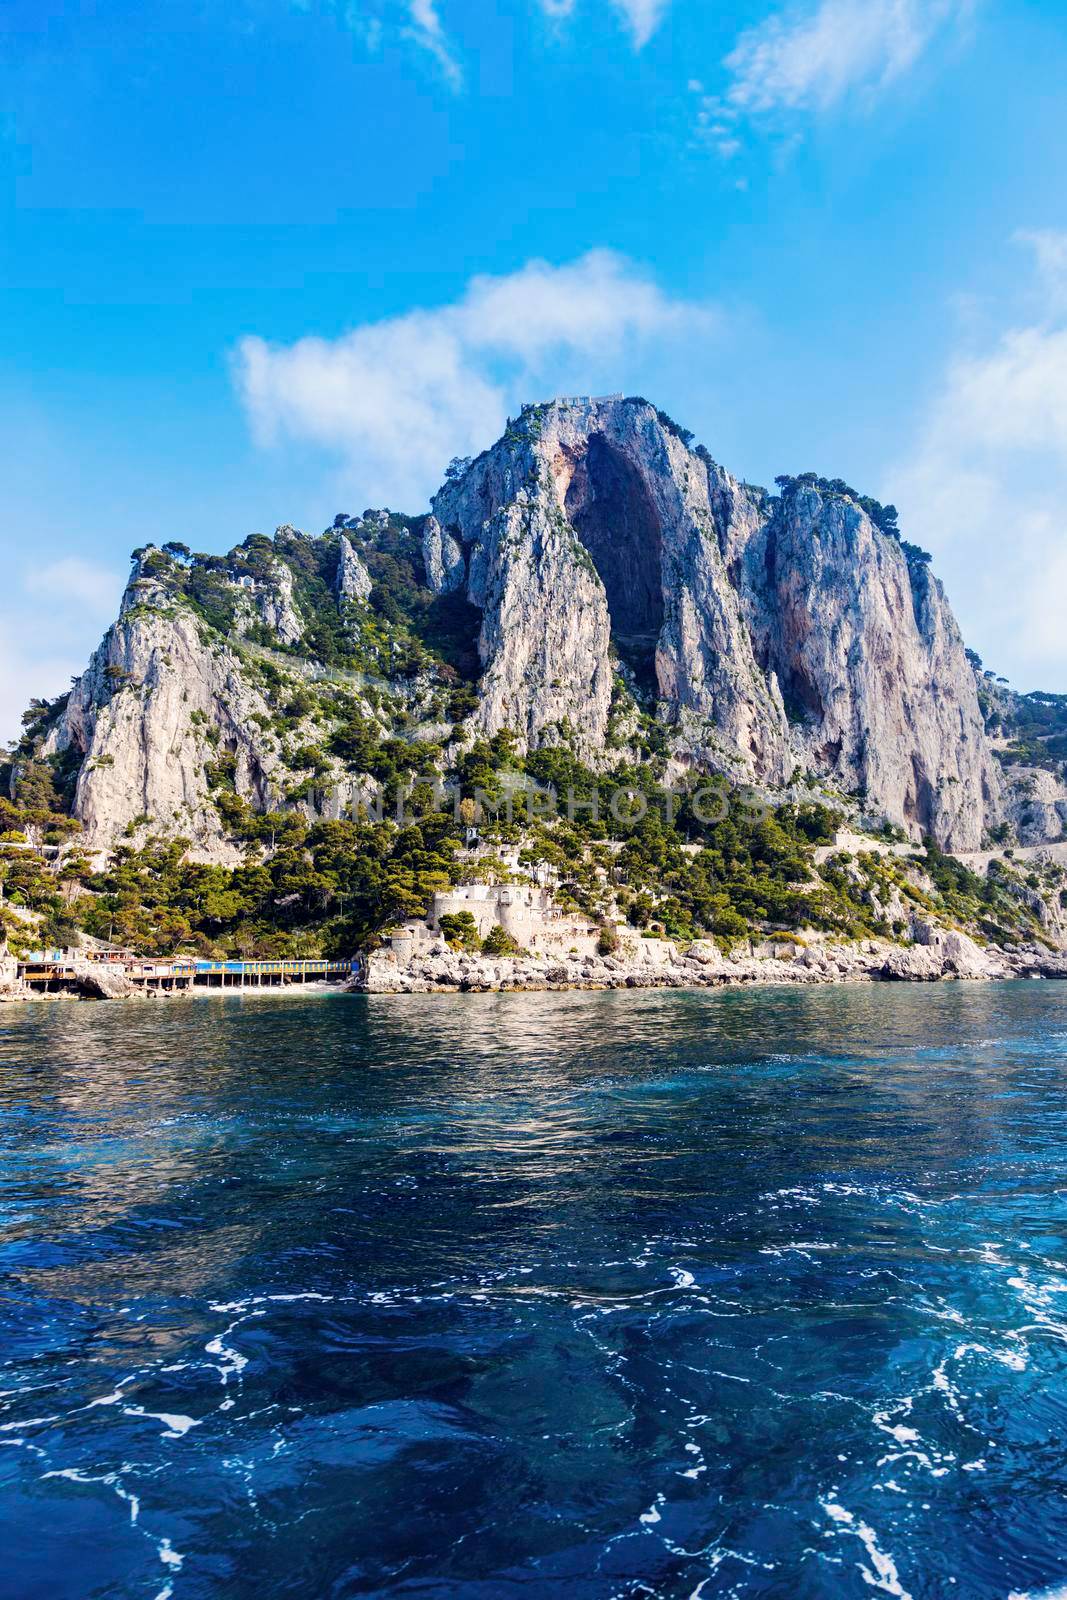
756, 1294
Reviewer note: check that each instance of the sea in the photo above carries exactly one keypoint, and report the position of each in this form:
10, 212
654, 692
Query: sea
739, 1293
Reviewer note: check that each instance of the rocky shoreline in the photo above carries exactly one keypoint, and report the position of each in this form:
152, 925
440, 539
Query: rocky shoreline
937, 955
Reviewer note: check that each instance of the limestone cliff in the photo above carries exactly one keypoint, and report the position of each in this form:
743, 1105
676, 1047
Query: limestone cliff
871, 664
202, 694
148, 717
776, 633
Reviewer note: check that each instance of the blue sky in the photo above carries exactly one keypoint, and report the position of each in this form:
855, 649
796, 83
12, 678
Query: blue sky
262, 261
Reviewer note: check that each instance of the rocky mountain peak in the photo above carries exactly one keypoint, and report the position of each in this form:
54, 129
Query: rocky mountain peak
594, 581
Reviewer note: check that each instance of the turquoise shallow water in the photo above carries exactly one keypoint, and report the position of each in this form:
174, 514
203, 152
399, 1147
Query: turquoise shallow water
755, 1294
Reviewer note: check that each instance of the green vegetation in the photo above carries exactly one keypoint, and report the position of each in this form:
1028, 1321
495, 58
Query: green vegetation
460, 931
708, 861
667, 423
403, 630
1035, 726
35, 897
883, 517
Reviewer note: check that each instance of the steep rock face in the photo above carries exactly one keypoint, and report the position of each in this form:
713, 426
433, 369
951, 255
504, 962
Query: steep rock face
871, 665
1035, 805
591, 520
442, 557
140, 716
594, 518
545, 628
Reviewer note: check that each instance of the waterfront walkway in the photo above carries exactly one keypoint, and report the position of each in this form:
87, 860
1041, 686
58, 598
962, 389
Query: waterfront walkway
55, 971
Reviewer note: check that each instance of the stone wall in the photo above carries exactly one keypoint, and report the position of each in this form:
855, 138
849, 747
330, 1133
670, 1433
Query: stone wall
528, 913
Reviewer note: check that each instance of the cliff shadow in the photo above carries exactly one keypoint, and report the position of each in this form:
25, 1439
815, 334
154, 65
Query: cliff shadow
609, 506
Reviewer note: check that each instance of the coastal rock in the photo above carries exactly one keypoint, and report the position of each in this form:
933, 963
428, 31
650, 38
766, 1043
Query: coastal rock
590, 523
1035, 805
618, 573
942, 953
934, 955
104, 982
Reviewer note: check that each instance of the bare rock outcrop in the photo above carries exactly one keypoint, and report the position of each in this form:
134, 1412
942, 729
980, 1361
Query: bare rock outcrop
159, 701
588, 523
101, 981
937, 953
353, 581
1035, 805
276, 607
442, 557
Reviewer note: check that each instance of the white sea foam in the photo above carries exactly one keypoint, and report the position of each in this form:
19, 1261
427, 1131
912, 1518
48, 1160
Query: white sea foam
115, 1398
226, 1306
653, 1512
882, 1572
233, 1362
175, 1424
168, 1555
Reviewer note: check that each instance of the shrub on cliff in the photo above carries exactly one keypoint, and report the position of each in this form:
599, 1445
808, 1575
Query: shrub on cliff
499, 942
460, 930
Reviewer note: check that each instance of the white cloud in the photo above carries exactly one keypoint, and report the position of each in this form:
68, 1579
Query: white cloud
715, 125
397, 398
43, 623
372, 21
642, 17
809, 60
71, 581
985, 488
1050, 252
426, 29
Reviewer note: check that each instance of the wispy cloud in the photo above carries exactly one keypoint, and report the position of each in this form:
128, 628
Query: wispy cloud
374, 22
985, 485
396, 399
641, 17
1050, 253
426, 29
72, 581
809, 60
